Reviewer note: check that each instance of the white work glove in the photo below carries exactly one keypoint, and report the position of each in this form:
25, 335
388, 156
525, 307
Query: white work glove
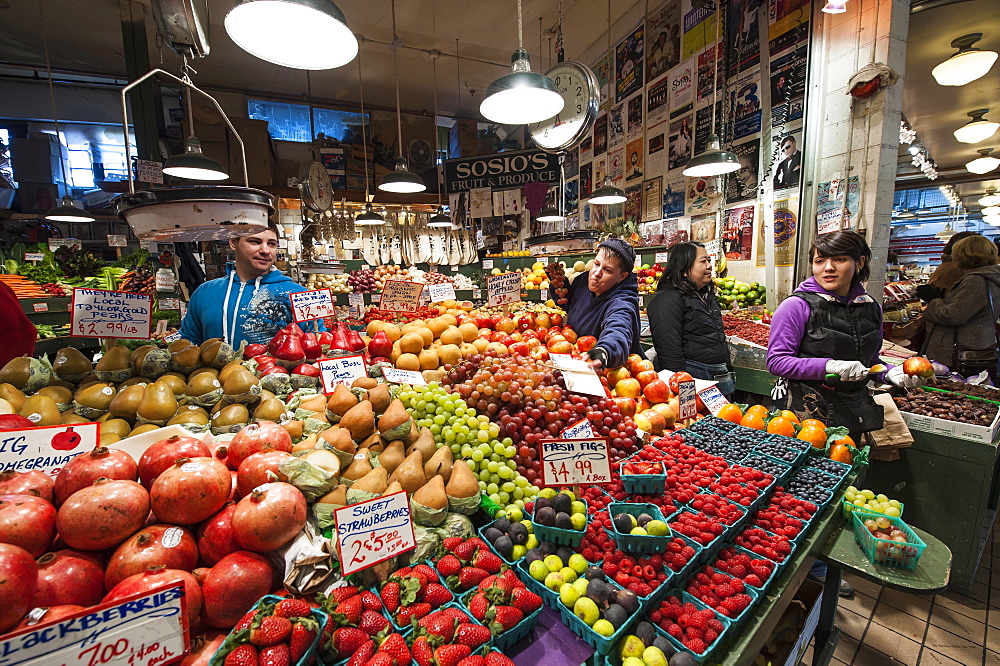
897, 377
848, 371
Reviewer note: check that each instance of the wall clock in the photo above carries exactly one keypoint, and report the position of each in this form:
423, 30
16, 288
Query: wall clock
581, 92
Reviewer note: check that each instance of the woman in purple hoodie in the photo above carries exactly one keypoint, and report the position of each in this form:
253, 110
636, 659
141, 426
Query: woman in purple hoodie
826, 336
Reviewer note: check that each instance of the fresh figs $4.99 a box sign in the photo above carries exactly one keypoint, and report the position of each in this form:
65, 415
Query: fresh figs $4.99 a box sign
47, 448
568, 462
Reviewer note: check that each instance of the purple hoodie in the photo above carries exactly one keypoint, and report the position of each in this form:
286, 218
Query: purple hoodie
787, 327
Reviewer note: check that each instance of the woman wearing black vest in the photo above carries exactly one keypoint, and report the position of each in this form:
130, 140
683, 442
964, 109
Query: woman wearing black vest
685, 319
826, 336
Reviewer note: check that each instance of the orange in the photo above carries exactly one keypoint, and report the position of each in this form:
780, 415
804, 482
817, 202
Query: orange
813, 435
731, 412
813, 423
752, 421
789, 416
845, 440
759, 410
841, 453
779, 425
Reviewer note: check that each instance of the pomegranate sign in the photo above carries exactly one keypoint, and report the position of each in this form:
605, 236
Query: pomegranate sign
373, 531
312, 304
143, 630
46, 449
570, 462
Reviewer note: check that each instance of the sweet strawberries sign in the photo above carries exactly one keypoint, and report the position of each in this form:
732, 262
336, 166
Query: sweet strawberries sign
46, 448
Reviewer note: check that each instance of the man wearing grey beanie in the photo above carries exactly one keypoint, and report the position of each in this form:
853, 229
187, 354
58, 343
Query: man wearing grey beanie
604, 303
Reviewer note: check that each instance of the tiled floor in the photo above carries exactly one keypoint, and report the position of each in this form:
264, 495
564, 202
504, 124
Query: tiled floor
882, 627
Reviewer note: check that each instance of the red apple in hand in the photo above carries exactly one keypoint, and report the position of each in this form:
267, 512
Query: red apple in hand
918, 366
586, 342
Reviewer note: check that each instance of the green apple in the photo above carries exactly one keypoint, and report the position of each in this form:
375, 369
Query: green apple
604, 628
554, 581
553, 562
568, 594
538, 570
568, 574
578, 563
581, 585
639, 531
578, 521
657, 528
587, 610
578, 507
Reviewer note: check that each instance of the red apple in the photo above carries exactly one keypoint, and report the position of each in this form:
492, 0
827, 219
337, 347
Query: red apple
626, 406
631, 361
918, 366
677, 378
628, 388
518, 349
656, 391
557, 319
616, 375
586, 343
569, 334
484, 322
506, 325
561, 347
647, 377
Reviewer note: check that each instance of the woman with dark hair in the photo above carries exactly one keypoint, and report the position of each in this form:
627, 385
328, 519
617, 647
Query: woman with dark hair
826, 336
686, 321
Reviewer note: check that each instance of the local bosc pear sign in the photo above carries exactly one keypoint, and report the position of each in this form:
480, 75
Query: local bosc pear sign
500, 170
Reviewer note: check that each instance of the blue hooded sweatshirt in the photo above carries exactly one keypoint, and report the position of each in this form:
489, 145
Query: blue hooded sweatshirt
250, 311
612, 317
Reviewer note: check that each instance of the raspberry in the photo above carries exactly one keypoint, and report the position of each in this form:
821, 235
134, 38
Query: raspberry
715, 625
719, 578
737, 585
710, 636
737, 570
694, 632
696, 645
675, 631
753, 580
697, 621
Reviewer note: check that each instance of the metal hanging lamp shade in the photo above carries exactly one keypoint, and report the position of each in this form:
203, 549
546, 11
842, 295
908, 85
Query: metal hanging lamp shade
978, 129
440, 220
369, 218
607, 194
967, 65
302, 34
66, 211
713, 162
192, 164
984, 163
402, 179
549, 214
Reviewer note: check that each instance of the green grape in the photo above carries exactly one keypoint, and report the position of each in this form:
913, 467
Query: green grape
519, 480
484, 475
495, 498
486, 449
477, 455
511, 464
412, 403
483, 436
435, 429
492, 488
493, 466
482, 486
507, 441
519, 503
504, 472
473, 422
467, 453
449, 434
455, 449
483, 418
440, 419
499, 448
507, 487
518, 493
460, 438
422, 405
510, 451
504, 497
494, 431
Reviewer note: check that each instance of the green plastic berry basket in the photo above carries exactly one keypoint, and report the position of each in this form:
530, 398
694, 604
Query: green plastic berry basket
848, 509
776, 568
515, 634
642, 484
602, 644
883, 551
638, 543
557, 535
220, 655
706, 656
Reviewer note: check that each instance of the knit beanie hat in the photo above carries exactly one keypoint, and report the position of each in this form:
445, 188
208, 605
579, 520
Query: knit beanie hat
622, 249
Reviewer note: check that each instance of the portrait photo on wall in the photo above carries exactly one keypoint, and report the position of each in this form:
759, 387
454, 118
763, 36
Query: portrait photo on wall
681, 142
788, 161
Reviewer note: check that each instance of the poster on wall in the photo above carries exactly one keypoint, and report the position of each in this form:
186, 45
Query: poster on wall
837, 204
586, 179
571, 163
571, 195
616, 126
746, 105
676, 231
703, 126
652, 196
673, 196
602, 69
681, 85
787, 167
788, 87
633, 159
663, 32
600, 170
656, 154
785, 226
744, 35
703, 228
737, 233
706, 73
681, 139
458, 207
699, 26
787, 27
634, 114
702, 196
633, 202
601, 135
743, 184
781, 9
629, 64
616, 165
657, 102
587, 148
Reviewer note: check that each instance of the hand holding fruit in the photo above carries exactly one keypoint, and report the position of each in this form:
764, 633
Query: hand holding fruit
898, 376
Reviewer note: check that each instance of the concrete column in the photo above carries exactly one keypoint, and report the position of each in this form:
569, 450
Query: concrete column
846, 137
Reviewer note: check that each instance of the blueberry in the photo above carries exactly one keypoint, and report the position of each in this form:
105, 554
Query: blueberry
839, 470
776, 450
772, 467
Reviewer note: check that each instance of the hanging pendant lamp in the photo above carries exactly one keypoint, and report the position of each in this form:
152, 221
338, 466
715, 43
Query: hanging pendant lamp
549, 214
522, 96
978, 129
967, 65
984, 163
369, 218
192, 164
440, 219
401, 180
991, 198
302, 34
834, 7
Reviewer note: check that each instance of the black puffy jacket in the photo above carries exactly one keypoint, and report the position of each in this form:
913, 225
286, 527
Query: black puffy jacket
686, 327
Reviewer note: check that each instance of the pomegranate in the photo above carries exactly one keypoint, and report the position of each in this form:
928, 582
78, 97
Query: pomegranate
233, 494
202, 649
168, 545
163, 453
233, 586
215, 536
69, 577
201, 574
154, 577
191, 490
258, 468
269, 517
40, 615
15, 422
83, 470
257, 437
26, 483
18, 582
102, 515
27, 521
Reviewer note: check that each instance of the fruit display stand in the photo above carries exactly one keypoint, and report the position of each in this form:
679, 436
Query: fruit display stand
53, 312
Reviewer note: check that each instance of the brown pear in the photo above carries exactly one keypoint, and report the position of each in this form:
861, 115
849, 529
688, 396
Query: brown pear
324, 460
118, 427
61, 394
360, 466
13, 395
176, 382
413, 434
314, 403
424, 444
307, 443
117, 358
294, 428
341, 400
380, 398
337, 496
231, 415
136, 357
190, 415
238, 381
439, 464
366, 383
189, 357
392, 456
145, 427
69, 362
410, 473
126, 403
41, 410
201, 371
179, 345
340, 439
108, 438
158, 403
432, 495
374, 481
228, 368
463, 482
71, 417
131, 381
393, 487
271, 409
17, 371
395, 422
201, 384
62, 383
360, 420
209, 350
96, 396
374, 443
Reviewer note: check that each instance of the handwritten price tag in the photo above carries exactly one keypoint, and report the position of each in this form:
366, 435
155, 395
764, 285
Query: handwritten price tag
34, 256
400, 296
442, 292
503, 288
374, 531
487, 264
580, 429
477, 293
356, 303
40, 307
170, 304
99, 313
173, 337
397, 376
46, 448
341, 370
686, 397
713, 399
662, 257
117, 241
568, 462
313, 304
142, 630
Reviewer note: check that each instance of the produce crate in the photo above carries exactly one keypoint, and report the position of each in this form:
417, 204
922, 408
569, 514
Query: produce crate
709, 549
778, 567
482, 531
317, 615
848, 508
642, 484
549, 598
779, 469
733, 621
556, 535
696, 561
602, 644
638, 543
705, 657
834, 468
518, 633
800, 454
883, 551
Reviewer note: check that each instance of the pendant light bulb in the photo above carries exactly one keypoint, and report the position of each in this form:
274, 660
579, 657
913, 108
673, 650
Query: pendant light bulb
402, 180
369, 218
967, 65
991, 198
607, 194
713, 162
834, 7
192, 164
990, 211
302, 34
440, 220
978, 129
984, 163
946, 233
549, 214
67, 211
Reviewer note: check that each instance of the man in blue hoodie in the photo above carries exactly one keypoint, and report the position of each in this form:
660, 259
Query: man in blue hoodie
253, 296
604, 303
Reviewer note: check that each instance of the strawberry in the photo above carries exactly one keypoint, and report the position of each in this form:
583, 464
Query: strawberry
450, 655
395, 646
473, 660
362, 654
478, 605
451, 543
525, 600
498, 659
466, 551
423, 652
486, 559
437, 595
500, 591
380, 659
468, 578
439, 624
244, 655
472, 635
341, 593
371, 601
427, 572
271, 630
390, 596
348, 611
417, 610
449, 565
292, 608
245, 622
346, 640
504, 618
303, 635
509, 575
371, 622
276, 655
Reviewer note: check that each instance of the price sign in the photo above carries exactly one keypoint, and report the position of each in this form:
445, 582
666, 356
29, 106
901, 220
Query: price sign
688, 401
487, 264
170, 304
508, 246
543, 294
148, 171
356, 303
580, 429
46, 448
400, 296
34, 256
503, 288
662, 257
313, 304
99, 313
373, 531
397, 376
637, 262
570, 462
40, 307
477, 293
173, 337
454, 269
117, 241
341, 370
442, 292
56, 243
713, 399
145, 629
